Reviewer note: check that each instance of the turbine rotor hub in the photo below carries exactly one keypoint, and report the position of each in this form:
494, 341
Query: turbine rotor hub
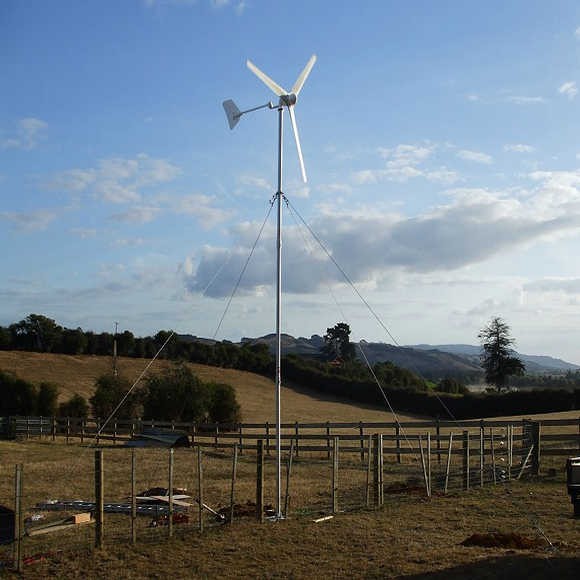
288, 100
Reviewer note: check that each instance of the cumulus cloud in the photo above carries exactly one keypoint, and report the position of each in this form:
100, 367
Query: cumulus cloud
117, 180
202, 208
474, 226
568, 89
138, 214
577, 33
518, 148
565, 285
401, 164
29, 132
475, 156
29, 221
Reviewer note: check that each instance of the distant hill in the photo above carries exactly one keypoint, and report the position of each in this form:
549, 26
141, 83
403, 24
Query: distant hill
429, 361
534, 363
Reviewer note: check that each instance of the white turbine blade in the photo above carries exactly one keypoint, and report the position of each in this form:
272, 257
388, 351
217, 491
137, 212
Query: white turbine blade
297, 139
303, 75
278, 90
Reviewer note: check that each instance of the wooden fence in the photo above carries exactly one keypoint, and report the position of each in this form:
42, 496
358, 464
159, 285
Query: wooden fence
550, 437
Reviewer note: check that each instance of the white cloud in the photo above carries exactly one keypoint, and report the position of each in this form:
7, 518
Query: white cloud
84, 233
475, 156
577, 33
255, 181
401, 164
473, 227
202, 208
29, 132
117, 180
443, 175
564, 285
335, 188
139, 214
518, 148
473, 98
29, 221
524, 100
569, 89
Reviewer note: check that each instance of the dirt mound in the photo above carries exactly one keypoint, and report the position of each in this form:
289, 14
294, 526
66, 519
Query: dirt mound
498, 540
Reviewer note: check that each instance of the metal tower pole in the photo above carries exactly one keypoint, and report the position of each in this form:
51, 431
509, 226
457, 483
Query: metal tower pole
279, 322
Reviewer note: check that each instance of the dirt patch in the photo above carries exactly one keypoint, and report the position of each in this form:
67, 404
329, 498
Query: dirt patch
499, 540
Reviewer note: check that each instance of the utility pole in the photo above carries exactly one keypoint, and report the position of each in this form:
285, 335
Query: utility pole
115, 371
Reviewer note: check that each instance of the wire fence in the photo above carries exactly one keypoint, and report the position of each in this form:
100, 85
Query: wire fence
75, 497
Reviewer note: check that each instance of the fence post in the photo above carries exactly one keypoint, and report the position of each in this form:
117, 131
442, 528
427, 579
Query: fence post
296, 432
328, 440
362, 443
241, 439
424, 467
536, 441
481, 453
448, 462
267, 437
232, 491
510, 442
438, 434
217, 433
200, 487
466, 460
378, 469
492, 447
335, 454
133, 497
99, 498
429, 460
170, 491
54, 428
18, 524
398, 434
260, 481
288, 473
115, 433
369, 465
67, 429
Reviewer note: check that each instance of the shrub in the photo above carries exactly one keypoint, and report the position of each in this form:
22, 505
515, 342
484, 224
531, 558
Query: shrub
223, 406
76, 406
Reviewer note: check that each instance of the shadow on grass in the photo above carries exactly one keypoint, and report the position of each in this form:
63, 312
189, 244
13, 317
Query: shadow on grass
512, 567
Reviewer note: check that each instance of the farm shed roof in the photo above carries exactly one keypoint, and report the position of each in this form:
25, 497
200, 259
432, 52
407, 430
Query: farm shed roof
159, 438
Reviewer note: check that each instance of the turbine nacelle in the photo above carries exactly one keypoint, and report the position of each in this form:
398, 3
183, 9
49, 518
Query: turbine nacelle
287, 100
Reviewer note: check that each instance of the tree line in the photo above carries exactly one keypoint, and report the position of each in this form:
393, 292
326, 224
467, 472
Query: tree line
176, 394
38, 333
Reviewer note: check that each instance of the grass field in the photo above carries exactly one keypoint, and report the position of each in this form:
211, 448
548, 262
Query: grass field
77, 374
410, 536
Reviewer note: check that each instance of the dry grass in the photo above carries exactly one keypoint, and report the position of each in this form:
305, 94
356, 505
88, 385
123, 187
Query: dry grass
410, 536
255, 393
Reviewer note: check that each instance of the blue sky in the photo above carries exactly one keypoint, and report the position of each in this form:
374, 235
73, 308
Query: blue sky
440, 141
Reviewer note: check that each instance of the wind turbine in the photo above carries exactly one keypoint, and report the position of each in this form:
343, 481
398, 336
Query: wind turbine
286, 100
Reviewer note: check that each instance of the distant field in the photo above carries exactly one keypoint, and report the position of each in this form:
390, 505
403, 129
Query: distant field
255, 393
77, 374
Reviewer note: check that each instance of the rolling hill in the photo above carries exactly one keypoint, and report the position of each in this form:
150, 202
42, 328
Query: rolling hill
255, 393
